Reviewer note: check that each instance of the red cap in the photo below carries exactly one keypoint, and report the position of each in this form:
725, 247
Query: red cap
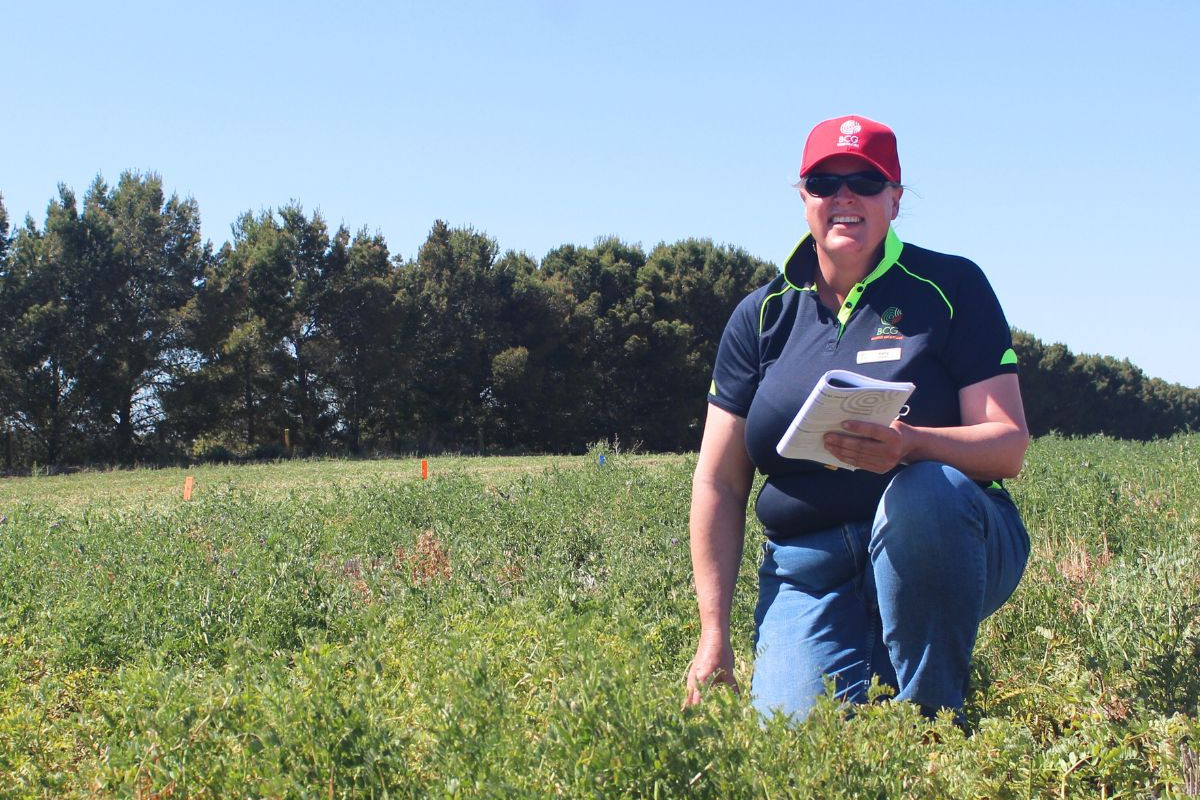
863, 138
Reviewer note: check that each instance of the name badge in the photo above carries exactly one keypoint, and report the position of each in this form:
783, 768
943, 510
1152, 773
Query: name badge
875, 356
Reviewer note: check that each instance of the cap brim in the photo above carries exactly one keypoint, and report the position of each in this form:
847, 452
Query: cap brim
859, 156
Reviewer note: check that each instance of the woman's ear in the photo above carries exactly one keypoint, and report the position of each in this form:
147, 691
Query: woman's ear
896, 201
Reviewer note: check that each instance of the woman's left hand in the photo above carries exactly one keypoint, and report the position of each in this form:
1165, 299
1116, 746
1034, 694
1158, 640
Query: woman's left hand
875, 448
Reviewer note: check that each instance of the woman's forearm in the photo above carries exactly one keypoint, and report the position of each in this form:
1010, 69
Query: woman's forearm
989, 445
718, 528
986, 451
991, 442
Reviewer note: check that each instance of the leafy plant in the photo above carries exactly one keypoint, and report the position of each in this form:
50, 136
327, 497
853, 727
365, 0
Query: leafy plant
520, 628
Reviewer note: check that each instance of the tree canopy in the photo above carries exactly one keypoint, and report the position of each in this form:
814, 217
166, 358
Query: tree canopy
126, 338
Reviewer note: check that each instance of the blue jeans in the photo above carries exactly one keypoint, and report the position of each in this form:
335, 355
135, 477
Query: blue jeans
901, 597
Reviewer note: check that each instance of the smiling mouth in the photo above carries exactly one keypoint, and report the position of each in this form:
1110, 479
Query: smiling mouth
846, 220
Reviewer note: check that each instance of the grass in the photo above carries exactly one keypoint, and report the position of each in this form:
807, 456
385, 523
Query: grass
264, 480
521, 627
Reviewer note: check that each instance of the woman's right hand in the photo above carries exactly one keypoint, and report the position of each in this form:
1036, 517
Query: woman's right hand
713, 664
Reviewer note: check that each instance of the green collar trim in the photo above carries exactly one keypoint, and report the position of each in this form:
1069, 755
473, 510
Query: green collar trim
892, 246
788, 283
762, 310
793, 262
801, 265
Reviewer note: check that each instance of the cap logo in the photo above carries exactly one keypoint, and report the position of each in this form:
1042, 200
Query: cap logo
849, 137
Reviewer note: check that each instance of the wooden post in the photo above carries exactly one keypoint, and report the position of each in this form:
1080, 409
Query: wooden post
189, 483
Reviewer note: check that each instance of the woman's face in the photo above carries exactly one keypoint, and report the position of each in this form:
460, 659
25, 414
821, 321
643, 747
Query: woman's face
845, 223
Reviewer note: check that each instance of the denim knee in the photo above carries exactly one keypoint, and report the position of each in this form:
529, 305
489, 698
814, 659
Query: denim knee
945, 554
928, 514
928, 490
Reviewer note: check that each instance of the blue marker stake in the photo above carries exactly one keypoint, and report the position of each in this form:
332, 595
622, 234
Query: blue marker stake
602, 459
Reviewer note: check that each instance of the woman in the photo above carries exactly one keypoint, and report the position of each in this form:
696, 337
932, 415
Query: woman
889, 568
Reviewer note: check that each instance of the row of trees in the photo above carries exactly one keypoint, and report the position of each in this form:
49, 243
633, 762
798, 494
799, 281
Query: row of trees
1081, 395
124, 337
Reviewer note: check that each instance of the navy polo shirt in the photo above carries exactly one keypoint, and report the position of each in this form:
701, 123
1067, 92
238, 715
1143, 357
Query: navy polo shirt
919, 316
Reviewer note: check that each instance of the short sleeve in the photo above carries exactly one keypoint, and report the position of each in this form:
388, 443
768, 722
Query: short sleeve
980, 342
736, 373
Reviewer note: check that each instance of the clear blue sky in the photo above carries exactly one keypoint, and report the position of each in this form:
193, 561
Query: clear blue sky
1055, 143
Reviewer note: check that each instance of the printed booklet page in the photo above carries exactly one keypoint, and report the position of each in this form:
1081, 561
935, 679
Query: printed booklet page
841, 395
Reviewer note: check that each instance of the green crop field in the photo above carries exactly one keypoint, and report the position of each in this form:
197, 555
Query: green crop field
520, 628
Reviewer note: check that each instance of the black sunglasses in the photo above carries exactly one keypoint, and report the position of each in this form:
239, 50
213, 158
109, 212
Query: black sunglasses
822, 184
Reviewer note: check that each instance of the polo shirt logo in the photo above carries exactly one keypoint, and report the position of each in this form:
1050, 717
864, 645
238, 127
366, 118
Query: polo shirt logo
888, 321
